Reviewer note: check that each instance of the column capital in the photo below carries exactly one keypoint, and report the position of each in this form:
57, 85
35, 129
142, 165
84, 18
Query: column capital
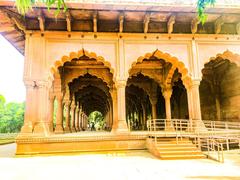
196, 82
193, 83
77, 109
167, 93
67, 102
121, 83
59, 96
51, 96
73, 106
153, 100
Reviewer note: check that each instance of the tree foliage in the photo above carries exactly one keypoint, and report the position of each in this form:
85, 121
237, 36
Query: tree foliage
201, 6
96, 121
24, 6
11, 116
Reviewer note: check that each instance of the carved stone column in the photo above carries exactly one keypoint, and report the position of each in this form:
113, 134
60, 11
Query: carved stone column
167, 93
83, 121
67, 105
29, 108
110, 117
40, 107
59, 117
120, 124
86, 121
50, 111
144, 118
153, 101
107, 119
218, 107
189, 99
72, 126
77, 119
80, 119
194, 104
196, 99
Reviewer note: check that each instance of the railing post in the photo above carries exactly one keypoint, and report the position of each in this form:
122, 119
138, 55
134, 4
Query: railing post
199, 142
218, 154
180, 124
227, 143
165, 124
222, 153
211, 124
208, 146
150, 125
154, 125
226, 125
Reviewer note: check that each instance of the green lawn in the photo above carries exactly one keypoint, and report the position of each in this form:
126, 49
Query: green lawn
7, 138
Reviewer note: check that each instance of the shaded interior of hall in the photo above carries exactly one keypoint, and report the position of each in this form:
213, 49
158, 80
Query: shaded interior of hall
85, 83
220, 90
145, 93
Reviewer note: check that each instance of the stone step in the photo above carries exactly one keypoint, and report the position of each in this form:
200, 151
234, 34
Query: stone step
183, 156
174, 142
169, 148
177, 148
174, 145
178, 153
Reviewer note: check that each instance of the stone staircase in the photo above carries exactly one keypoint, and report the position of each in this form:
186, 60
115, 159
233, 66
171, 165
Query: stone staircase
168, 148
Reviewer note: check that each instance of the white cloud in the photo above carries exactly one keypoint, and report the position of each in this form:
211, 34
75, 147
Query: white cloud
11, 72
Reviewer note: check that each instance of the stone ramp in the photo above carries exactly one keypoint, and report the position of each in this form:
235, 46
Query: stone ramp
169, 149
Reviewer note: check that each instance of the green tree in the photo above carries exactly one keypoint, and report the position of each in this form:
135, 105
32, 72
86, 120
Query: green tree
24, 6
11, 116
96, 118
201, 7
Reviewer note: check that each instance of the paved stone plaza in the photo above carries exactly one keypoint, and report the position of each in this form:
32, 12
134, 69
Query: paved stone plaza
139, 165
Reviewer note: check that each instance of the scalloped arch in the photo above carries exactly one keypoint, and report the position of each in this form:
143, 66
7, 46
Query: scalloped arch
232, 57
176, 64
74, 55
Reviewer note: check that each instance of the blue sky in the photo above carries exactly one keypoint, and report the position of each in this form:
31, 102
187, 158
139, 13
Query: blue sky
11, 72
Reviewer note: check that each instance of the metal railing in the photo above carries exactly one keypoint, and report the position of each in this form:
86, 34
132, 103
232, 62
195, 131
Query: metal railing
209, 136
210, 147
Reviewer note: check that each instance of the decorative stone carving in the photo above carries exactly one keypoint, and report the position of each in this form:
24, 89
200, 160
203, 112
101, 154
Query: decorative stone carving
170, 24
68, 20
218, 25
121, 19
238, 28
95, 22
194, 25
146, 22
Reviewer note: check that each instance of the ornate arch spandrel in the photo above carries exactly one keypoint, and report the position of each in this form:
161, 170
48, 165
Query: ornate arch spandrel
176, 64
104, 75
232, 57
228, 55
74, 55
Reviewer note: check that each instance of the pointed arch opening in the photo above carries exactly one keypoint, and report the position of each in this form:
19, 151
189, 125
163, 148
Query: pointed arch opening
220, 88
153, 79
83, 81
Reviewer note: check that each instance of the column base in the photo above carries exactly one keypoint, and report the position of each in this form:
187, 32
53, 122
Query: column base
42, 128
73, 130
198, 125
67, 129
120, 127
27, 128
58, 129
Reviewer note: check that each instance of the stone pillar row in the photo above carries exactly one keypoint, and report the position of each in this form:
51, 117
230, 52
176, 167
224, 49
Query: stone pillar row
76, 119
40, 107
